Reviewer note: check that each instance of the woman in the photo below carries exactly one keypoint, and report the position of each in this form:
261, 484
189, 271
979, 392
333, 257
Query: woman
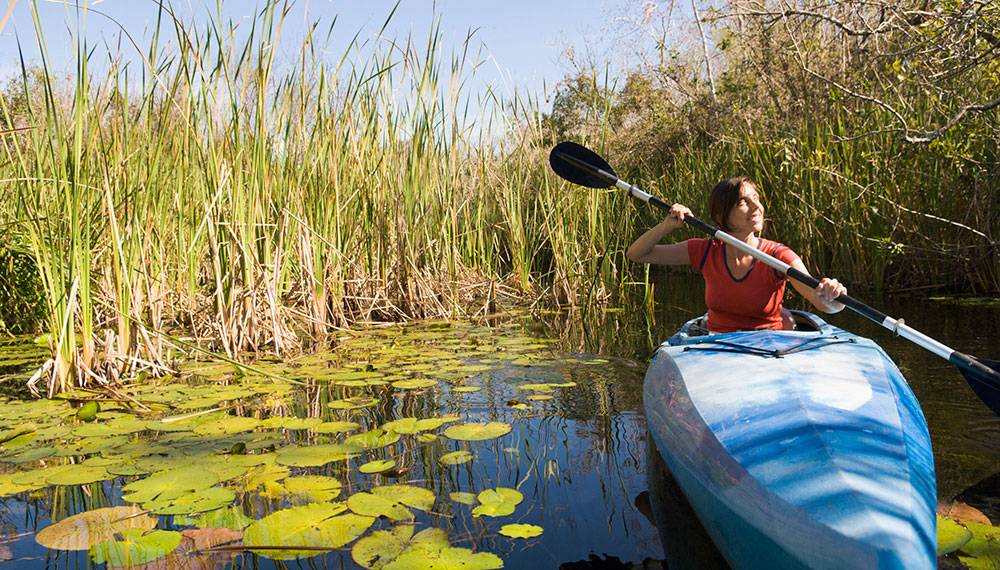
741, 293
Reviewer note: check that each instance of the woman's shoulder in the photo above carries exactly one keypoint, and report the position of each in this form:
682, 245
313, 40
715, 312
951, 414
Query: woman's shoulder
777, 249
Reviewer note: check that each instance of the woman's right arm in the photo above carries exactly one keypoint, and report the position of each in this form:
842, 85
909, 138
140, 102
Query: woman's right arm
647, 249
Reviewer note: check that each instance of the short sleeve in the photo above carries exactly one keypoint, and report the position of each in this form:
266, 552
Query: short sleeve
784, 254
697, 252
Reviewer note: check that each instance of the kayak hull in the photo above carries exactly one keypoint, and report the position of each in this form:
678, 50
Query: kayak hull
796, 449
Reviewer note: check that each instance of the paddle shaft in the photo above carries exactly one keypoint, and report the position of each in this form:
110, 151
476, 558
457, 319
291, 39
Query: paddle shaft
897, 326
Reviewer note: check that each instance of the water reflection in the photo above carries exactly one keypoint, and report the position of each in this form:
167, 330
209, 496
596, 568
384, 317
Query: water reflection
580, 458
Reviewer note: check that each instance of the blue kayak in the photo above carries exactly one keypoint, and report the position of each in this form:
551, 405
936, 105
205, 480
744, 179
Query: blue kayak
796, 449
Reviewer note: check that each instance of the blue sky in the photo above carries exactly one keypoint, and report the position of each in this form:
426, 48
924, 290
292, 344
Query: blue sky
526, 39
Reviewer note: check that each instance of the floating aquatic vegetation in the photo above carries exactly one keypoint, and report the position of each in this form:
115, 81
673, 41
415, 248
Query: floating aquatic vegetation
317, 526
456, 457
521, 530
85, 530
401, 549
214, 449
135, 548
477, 431
497, 502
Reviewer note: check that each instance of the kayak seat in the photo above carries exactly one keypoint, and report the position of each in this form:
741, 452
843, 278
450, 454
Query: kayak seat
801, 321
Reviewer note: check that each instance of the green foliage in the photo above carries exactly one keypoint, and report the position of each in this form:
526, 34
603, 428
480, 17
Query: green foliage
22, 301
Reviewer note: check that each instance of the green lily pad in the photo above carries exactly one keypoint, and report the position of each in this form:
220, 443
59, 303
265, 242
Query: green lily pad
377, 466
316, 455
467, 389
16, 431
195, 502
497, 502
301, 423
84, 530
169, 485
309, 488
521, 530
950, 535
228, 425
444, 559
378, 550
373, 439
121, 426
391, 501
315, 525
231, 517
414, 383
81, 475
477, 432
413, 425
336, 427
263, 476
137, 547
29, 455
352, 403
983, 550
464, 498
9, 487
456, 457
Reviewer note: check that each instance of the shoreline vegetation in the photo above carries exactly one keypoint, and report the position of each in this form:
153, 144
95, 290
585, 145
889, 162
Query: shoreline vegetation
205, 192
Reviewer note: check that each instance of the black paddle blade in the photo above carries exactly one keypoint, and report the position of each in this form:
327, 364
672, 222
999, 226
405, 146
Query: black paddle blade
983, 377
581, 166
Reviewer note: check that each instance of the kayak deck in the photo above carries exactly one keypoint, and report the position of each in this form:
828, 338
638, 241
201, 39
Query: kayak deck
796, 449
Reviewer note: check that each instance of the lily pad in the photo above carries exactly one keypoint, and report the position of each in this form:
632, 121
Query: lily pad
497, 502
378, 550
309, 488
301, 423
391, 501
477, 431
169, 485
84, 530
377, 466
136, 547
9, 487
373, 439
316, 455
29, 455
336, 427
81, 475
414, 383
413, 425
444, 559
456, 457
521, 530
196, 502
228, 425
319, 525
464, 498
950, 535
230, 517
352, 403
983, 550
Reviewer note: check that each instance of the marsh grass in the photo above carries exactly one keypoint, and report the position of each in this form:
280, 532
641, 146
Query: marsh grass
248, 202
261, 206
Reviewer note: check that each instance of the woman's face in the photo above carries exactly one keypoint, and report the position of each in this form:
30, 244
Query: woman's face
747, 216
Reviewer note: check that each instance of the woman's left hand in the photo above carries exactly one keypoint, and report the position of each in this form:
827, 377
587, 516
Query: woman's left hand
828, 290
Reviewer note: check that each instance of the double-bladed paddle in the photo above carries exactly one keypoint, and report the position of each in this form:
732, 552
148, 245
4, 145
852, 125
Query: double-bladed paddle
582, 166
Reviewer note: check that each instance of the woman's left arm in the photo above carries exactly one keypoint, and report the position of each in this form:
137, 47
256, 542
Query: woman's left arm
822, 297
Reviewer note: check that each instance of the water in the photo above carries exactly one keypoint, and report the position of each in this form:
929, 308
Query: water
578, 458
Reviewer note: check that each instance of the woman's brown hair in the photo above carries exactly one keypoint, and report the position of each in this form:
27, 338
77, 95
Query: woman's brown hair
724, 198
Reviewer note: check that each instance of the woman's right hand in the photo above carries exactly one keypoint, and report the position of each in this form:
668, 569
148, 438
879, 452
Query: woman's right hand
675, 218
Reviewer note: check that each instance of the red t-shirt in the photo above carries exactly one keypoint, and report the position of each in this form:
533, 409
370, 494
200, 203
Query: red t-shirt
751, 302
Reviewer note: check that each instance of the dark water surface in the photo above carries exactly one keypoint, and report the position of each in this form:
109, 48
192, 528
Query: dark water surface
578, 458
